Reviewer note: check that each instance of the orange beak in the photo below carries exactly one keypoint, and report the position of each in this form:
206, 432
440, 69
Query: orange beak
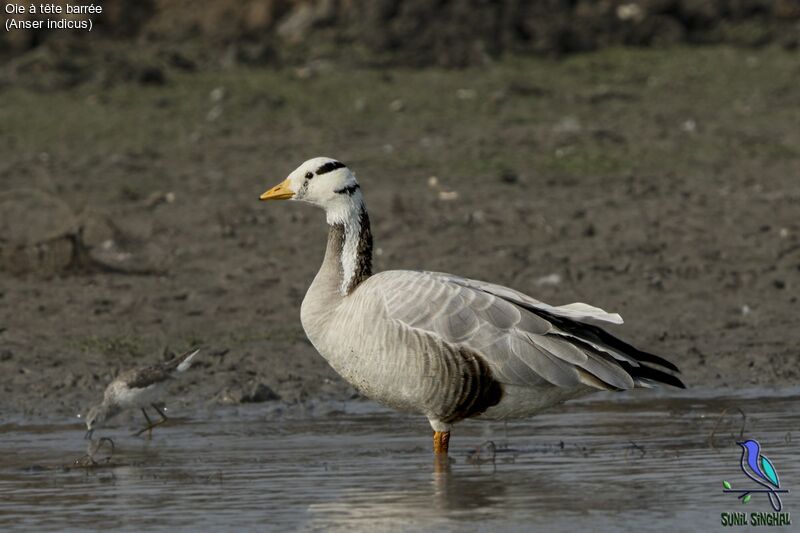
279, 192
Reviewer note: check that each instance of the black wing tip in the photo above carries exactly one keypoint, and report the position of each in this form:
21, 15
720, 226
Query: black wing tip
639, 355
583, 330
655, 375
675, 381
656, 359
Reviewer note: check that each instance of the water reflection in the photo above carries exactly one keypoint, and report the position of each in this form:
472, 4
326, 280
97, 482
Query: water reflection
454, 490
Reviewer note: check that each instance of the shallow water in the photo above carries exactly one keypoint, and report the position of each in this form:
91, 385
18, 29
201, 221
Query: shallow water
641, 461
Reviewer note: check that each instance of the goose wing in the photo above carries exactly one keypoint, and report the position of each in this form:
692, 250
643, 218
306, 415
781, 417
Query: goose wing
526, 342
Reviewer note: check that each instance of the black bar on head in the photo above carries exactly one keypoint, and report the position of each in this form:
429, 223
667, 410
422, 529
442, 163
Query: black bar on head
329, 167
349, 190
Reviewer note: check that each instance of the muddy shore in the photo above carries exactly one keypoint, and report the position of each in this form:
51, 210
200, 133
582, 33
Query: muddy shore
660, 184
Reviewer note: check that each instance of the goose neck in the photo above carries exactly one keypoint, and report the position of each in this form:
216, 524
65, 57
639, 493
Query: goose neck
348, 257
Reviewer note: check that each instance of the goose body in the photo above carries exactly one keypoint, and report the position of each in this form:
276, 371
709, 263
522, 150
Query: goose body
444, 346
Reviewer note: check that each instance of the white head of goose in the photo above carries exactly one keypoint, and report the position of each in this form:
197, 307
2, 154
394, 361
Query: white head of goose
441, 345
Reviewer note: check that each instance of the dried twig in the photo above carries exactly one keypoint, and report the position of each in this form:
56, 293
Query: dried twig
719, 421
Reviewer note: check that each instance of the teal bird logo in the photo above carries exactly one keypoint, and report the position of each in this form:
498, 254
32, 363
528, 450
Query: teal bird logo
760, 469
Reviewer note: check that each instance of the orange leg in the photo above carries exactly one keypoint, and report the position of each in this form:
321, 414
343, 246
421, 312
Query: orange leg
150, 423
441, 461
441, 442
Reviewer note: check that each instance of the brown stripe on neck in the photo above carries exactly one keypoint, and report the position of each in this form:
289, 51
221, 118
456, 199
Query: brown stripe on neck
362, 265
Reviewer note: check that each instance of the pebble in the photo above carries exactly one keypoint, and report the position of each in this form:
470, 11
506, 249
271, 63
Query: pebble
548, 280
568, 124
466, 94
631, 11
477, 217
260, 393
448, 196
509, 176
214, 113
152, 76
217, 94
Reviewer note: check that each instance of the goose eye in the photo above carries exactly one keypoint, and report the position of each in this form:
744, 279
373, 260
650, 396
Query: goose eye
309, 175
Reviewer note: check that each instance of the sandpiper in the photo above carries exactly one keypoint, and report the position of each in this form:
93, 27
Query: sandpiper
138, 387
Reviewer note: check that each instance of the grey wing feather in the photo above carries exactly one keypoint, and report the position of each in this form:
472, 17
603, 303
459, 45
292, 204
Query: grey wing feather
521, 347
575, 311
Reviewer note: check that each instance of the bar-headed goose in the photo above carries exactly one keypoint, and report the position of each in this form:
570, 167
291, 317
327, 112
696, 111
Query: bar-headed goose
448, 347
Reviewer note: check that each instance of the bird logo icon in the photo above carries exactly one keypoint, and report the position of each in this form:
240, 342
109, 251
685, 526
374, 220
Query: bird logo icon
757, 467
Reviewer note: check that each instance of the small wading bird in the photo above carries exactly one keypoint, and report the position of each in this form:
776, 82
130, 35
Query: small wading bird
444, 346
138, 387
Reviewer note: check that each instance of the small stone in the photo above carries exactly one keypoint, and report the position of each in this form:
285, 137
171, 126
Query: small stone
152, 76
70, 380
397, 106
509, 176
477, 217
181, 62
448, 196
259, 393
214, 113
549, 280
568, 124
466, 94
217, 94
631, 11
498, 97
304, 72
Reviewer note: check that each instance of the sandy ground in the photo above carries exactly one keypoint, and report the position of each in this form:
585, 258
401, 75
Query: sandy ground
663, 185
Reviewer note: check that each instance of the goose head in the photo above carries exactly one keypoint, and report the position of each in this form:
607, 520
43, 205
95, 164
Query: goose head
324, 182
